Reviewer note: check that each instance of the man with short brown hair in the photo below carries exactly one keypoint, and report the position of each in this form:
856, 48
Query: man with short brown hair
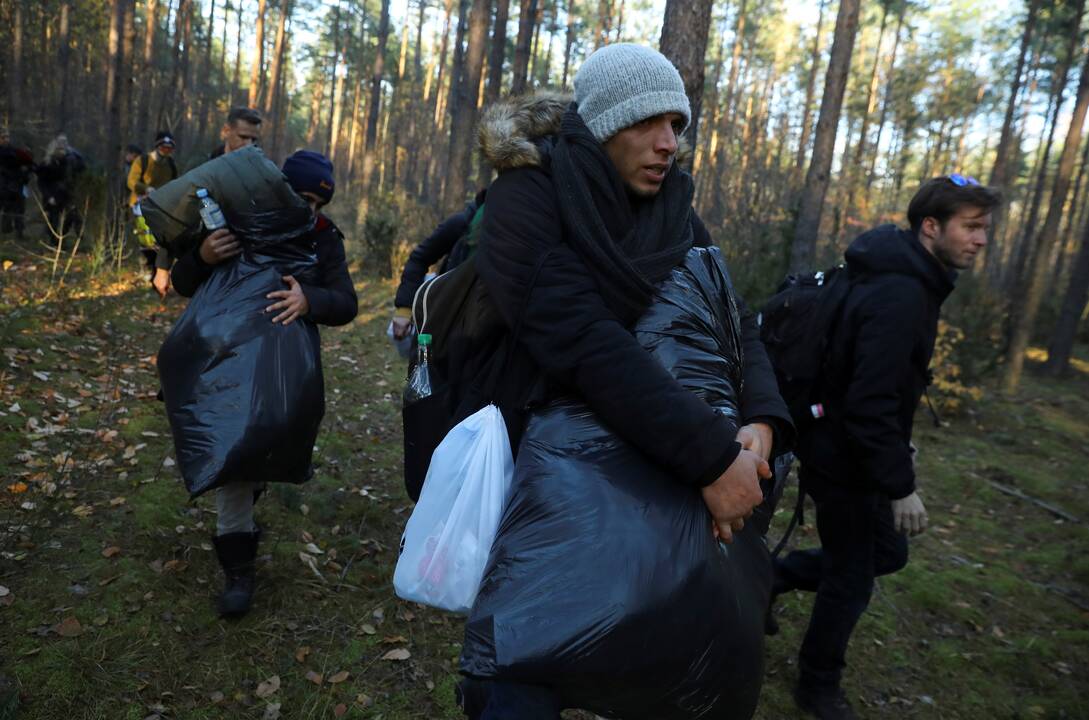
857, 460
243, 127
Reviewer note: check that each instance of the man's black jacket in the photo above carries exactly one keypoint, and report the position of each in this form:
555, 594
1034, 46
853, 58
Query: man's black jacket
878, 365
570, 341
332, 302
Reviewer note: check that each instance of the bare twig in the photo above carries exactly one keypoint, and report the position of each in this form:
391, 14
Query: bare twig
1014, 492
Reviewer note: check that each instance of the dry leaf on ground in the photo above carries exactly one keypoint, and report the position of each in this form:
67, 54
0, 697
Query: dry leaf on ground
339, 677
68, 627
397, 654
268, 687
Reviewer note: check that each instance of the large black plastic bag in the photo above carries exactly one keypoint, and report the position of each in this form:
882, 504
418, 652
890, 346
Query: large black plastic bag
245, 396
605, 582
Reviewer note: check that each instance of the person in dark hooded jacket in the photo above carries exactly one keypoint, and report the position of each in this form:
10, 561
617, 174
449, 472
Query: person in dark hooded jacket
588, 214
858, 461
332, 301
451, 243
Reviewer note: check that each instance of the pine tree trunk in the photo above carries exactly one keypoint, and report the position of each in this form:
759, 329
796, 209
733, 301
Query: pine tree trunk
1015, 267
885, 102
871, 105
807, 109
64, 52
147, 69
498, 52
1024, 312
258, 58
272, 97
181, 95
206, 72
430, 160
114, 69
374, 105
684, 41
569, 41
463, 122
1008, 147
15, 74
236, 78
527, 15
1071, 311
816, 180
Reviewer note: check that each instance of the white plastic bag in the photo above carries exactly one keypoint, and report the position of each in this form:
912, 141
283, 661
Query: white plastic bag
448, 537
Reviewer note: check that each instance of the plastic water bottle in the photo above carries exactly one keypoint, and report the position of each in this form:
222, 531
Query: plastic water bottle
210, 214
419, 383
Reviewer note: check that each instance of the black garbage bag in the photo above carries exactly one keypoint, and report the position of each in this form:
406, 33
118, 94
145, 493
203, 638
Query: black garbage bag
245, 396
605, 582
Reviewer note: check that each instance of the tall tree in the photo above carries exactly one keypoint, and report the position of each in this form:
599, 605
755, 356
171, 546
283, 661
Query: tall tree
462, 123
853, 168
1025, 311
684, 41
371, 139
1061, 346
496, 57
816, 179
64, 44
810, 87
258, 57
114, 70
887, 100
527, 16
15, 74
147, 69
206, 65
272, 97
569, 41
1000, 170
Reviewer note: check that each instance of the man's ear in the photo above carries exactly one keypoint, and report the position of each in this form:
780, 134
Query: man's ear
224, 130
931, 227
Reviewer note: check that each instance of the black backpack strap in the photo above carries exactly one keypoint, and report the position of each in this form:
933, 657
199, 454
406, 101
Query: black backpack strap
798, 518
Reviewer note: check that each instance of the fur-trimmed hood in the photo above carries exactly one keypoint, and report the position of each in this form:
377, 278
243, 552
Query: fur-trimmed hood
510, 130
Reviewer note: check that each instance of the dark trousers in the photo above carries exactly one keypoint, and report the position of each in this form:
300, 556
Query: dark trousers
858, 543
487, 700
12, 210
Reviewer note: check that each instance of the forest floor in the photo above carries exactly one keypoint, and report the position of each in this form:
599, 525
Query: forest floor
107, 574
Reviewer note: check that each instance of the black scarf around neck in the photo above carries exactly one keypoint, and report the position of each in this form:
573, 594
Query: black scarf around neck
629, 247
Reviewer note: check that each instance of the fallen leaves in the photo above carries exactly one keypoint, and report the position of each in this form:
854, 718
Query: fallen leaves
339, 677
69, 627
111, 551
83, 511
315, 677
268, 687
397, 655
301, 653
18, 487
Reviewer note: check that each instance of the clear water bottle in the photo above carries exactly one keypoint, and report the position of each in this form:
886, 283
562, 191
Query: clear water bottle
210, 214
419, 382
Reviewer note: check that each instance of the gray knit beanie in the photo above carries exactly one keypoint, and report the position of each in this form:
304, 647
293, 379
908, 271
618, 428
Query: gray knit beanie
622, 84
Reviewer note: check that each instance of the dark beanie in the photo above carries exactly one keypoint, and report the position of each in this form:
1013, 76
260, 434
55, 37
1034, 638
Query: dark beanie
308, 171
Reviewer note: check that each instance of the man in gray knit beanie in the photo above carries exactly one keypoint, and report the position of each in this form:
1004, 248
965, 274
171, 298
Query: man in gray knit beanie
588, 216
623, 84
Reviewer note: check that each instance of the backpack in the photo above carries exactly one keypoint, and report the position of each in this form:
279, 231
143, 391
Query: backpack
143, 166
470, 358
796, 325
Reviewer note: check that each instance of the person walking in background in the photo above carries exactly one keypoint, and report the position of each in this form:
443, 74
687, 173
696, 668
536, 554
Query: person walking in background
453, 242
857, 461
332, 301
132, 151
147, 172
243, 127
16, 166
57, 176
